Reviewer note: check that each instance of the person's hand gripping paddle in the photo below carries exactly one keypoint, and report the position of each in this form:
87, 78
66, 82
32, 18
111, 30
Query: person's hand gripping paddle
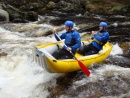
82, 66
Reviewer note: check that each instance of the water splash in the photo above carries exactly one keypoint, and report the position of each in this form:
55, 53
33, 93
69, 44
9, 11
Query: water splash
116, 50
19, 75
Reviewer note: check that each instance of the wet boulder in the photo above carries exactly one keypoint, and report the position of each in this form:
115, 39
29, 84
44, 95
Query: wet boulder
69, 7
4, 15
16, 15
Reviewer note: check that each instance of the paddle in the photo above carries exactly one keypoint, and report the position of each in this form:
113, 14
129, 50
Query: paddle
82, 66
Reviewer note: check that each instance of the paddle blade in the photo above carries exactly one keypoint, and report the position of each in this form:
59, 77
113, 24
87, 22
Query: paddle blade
84, 68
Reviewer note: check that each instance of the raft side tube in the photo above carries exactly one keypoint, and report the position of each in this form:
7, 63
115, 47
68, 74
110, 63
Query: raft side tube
40, 58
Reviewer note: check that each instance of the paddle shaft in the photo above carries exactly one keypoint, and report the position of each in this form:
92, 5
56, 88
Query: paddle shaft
82, 66
65, 45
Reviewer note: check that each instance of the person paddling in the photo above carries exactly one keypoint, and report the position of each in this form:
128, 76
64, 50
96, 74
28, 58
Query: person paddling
99, 38
72, 41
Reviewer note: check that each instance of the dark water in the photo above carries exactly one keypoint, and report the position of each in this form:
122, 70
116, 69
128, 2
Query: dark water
109, 83
109, 79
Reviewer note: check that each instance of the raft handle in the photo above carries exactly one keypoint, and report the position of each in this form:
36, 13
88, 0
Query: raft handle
37, 55
54, 61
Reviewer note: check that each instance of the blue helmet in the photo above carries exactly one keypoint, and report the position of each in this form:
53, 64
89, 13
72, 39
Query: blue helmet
69, 24
103, 24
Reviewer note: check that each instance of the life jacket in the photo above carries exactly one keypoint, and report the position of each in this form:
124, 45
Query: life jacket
99, 42
69, 39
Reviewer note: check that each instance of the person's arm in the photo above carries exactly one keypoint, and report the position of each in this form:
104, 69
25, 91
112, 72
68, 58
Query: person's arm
93, 33
102, 38
78, 41
62, 36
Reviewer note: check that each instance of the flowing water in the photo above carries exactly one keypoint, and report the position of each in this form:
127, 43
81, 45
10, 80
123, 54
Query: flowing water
20, 77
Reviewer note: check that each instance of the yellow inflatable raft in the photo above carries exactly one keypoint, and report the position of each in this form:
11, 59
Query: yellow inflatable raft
42, 56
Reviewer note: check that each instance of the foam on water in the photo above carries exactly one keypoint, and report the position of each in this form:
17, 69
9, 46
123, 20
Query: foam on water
19, 75
107, 71
116, 50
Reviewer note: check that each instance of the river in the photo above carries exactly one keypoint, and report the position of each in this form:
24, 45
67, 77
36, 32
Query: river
21, 77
